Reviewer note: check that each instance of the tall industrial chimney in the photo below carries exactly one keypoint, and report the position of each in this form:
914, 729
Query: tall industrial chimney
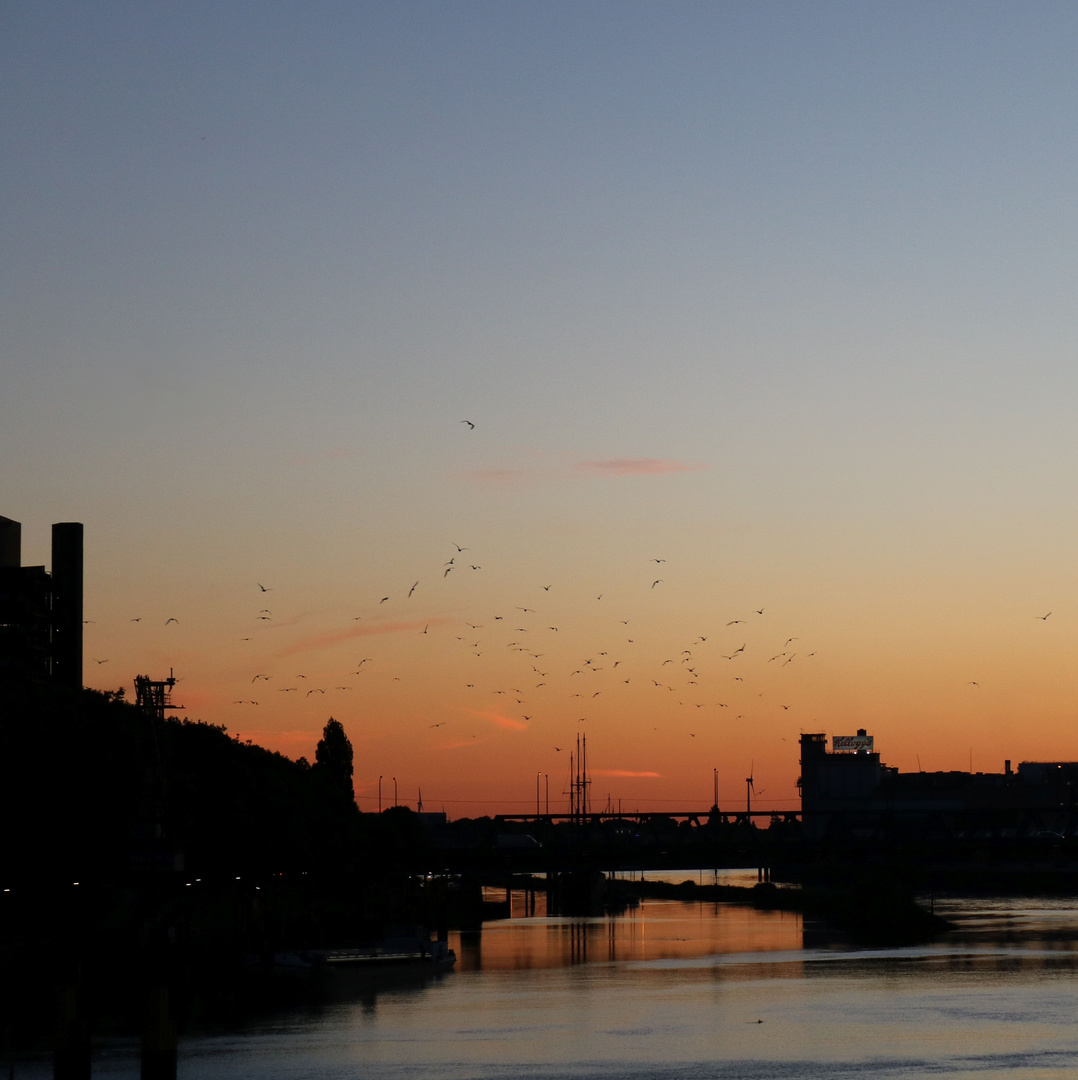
67, 604
10, 543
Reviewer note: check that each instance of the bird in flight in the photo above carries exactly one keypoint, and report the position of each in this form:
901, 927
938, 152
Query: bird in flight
1043, 617
656, 582
263, 587
167, 621
383, 600
139, 619
96, 661
657, 560
412, 589
471, 426
460, 549
734, 622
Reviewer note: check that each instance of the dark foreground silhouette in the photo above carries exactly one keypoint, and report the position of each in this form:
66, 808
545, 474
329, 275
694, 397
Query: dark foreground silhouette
151, 867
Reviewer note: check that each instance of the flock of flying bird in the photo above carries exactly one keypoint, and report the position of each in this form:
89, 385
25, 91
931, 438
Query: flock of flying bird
538, 680
521, 666
529, 684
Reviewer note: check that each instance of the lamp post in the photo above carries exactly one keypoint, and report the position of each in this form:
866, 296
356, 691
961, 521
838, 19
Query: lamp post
537, 777
394, 791
379, 794
547, 794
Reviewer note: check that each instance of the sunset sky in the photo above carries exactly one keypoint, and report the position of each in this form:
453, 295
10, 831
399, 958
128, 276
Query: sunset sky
780, 294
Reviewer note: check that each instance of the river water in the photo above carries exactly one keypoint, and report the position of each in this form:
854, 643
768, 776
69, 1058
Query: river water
681, 990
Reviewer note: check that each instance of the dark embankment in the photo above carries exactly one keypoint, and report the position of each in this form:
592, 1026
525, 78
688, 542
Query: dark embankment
139, 852
870, 911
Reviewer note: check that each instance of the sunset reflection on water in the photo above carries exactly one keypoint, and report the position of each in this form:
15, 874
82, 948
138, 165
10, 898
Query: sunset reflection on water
655, 930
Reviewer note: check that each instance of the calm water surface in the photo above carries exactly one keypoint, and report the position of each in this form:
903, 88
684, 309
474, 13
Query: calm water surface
689, 990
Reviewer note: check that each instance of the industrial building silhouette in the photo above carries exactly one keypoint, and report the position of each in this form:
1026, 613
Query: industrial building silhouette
40, 610
848, 794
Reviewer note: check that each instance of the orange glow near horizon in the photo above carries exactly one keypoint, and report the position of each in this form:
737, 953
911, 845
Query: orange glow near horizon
466, 688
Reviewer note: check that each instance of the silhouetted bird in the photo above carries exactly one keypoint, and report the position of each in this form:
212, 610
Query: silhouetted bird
263, 587
469, 423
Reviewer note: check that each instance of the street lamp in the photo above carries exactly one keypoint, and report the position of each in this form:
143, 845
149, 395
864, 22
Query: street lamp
379, 794
394, 791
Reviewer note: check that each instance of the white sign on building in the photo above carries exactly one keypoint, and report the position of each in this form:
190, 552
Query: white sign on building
851, 744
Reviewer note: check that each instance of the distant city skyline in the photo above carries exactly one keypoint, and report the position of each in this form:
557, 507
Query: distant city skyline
385, 349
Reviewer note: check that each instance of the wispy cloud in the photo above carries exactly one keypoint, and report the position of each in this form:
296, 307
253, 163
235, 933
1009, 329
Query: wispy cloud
624, 773
326, 641
607, 467
635, 467
506, 722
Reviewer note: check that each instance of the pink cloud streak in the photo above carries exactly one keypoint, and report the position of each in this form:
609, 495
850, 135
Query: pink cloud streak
635, 467
506, 722
325, 641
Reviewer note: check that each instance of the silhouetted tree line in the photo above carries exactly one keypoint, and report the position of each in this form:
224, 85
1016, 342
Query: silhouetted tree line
91, 787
